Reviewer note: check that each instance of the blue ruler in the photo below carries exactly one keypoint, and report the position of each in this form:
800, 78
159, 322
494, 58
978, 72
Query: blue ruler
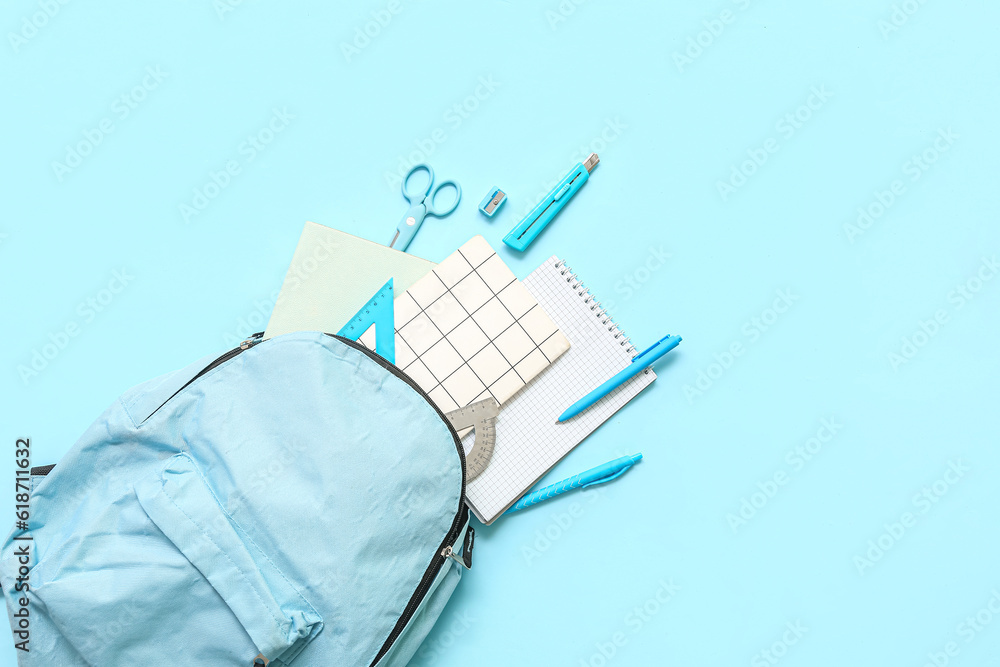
377, 311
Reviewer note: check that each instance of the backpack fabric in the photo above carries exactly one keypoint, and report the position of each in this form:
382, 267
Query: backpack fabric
289, 503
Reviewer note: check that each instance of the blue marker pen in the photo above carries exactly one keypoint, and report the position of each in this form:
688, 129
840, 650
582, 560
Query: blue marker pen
599, 475
658, 349
532, 225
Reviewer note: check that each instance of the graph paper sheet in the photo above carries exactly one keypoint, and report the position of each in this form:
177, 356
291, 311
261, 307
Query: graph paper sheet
469, 330
529, 442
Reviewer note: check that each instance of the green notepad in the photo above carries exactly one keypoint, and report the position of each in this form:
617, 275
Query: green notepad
332, 274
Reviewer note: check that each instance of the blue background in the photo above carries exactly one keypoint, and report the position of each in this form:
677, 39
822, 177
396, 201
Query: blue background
585, 579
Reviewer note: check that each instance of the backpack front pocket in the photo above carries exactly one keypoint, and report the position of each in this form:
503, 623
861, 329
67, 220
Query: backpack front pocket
178, 580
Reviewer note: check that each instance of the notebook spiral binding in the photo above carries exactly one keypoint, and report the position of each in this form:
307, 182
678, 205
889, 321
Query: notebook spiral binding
588, 297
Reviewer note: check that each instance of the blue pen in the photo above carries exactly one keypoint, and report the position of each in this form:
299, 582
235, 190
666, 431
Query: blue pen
658, 349
598, 475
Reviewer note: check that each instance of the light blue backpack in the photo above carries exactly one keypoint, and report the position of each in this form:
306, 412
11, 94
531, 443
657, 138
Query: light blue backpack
298, 501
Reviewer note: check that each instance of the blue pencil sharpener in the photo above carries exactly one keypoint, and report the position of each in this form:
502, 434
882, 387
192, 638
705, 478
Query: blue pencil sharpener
494, 200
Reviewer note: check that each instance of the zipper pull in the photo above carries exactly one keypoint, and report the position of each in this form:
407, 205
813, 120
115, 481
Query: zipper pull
261, 661
250, 342
466, 558
448, 552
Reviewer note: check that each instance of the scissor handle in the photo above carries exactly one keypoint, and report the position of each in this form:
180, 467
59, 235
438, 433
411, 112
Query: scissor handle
431, 202
419, 196
408, 226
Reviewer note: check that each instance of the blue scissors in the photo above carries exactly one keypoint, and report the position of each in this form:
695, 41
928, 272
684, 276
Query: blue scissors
422, 204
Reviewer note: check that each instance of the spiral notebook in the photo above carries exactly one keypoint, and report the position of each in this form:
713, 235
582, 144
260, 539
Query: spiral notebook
528, 440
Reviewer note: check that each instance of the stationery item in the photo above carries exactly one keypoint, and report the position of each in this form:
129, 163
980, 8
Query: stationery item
331, 274
532, 225
528, 441
469, 330
598, 475
423, 202
482, 416
375, 315
493, 201
657, 350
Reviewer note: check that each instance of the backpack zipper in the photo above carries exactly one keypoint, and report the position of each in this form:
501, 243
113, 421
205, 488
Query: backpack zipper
445, 551
244, 346
448, 552
465, 560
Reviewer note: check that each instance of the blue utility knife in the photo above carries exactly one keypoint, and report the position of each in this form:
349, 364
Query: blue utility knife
532, 225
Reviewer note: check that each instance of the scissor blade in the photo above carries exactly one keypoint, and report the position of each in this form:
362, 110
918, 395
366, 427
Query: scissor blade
394, 238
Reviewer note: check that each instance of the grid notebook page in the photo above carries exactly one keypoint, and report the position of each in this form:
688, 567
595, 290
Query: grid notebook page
529, 442
469, 330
